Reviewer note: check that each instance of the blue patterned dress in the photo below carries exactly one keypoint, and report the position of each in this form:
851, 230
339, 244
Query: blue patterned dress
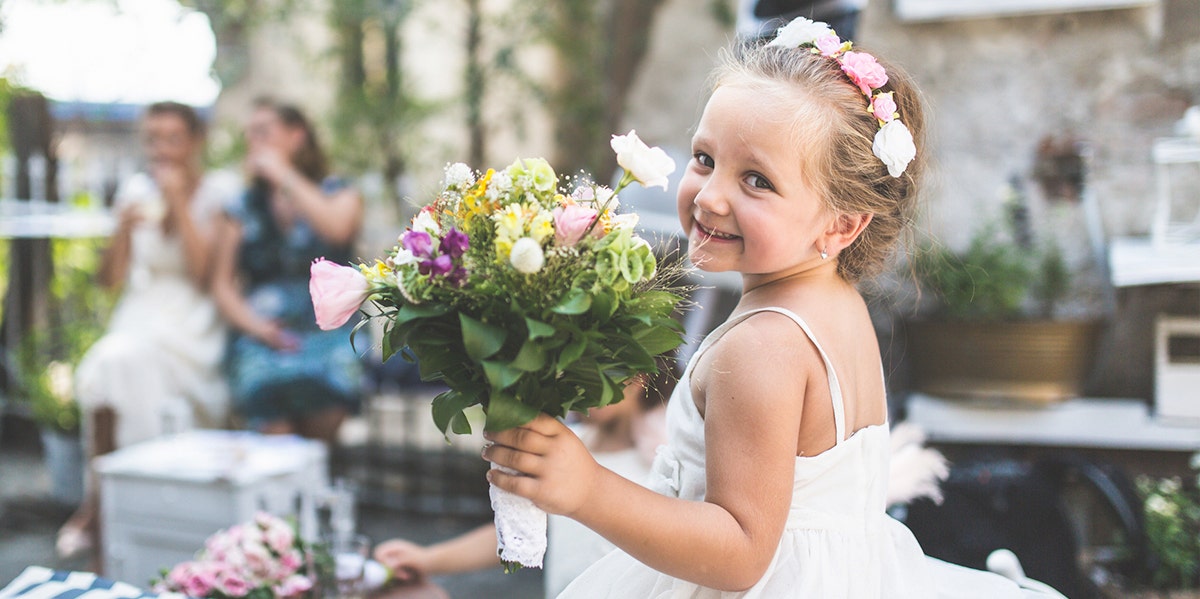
270, 385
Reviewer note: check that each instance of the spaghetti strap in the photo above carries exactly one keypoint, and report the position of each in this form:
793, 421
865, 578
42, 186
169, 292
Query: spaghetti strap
835, 388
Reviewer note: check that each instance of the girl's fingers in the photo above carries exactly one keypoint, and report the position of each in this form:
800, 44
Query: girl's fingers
523, 462
513, 483
524, 438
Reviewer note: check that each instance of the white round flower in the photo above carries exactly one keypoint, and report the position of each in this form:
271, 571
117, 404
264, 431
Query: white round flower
604, 195
650, 166
425, 222
527, 256
459, 175
799, 32
894, 146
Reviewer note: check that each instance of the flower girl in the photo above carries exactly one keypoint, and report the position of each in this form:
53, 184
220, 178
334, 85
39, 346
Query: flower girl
804, 174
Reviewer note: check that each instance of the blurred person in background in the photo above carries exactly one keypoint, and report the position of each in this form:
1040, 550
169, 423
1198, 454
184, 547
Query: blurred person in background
286, 375
156, 370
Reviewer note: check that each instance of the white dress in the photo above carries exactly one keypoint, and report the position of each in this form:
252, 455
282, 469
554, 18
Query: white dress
158, 364
838, 541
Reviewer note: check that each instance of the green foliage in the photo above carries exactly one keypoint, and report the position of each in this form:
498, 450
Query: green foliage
993, 279
1172, 517
46, 359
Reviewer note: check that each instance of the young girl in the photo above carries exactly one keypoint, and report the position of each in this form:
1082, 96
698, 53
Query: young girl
773, 480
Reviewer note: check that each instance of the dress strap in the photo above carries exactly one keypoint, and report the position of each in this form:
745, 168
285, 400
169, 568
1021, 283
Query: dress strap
835, 388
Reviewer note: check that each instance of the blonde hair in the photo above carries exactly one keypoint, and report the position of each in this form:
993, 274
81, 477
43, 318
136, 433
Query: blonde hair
838, 161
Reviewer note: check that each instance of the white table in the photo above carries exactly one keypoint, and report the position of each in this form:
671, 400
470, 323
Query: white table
161, 499
1080, 423
1137, 261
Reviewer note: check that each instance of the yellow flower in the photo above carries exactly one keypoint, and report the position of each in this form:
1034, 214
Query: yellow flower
503, 249
541, 226
510, 224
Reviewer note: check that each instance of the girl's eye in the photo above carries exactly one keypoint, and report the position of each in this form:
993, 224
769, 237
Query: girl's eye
703, 159
758, 181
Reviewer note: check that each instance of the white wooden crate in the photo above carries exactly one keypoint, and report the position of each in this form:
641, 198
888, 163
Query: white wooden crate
1177, 370
161, 499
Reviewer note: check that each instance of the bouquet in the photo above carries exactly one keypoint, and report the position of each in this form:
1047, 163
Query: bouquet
523, 293
262, 559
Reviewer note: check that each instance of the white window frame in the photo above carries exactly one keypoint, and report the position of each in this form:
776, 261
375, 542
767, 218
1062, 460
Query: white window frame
938, 10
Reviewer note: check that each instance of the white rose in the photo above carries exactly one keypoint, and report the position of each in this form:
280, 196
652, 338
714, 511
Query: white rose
527, 256
650, 166
799, 32
459, 175
625, 221
403, 257
424, 221
894, 146
605, 195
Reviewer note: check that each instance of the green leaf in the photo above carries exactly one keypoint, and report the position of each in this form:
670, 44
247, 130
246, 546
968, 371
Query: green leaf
505, 411
460, 424
604, 304
658, 303
481, 340
576, 302
571, 352
410, 312
538, 329
657, 340
531, 358
448, 406
500, 375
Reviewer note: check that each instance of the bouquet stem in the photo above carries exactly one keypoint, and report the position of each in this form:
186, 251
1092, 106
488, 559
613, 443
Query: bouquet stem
520, 528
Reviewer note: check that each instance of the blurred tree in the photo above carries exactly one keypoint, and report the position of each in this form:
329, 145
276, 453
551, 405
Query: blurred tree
373, 98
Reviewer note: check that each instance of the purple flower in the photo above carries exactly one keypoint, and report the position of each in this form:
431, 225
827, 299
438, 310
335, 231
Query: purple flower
457, 277
418, 242
455, 243
439, 266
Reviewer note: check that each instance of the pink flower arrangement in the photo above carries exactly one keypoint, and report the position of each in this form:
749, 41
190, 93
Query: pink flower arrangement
259, 559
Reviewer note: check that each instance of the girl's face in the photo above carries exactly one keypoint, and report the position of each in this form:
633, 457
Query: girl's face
743, 202
168, 141
266, 131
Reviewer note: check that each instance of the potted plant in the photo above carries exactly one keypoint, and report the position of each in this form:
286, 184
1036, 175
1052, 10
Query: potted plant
993, 331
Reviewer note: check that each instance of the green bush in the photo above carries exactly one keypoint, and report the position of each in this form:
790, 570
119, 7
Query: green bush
1172, 512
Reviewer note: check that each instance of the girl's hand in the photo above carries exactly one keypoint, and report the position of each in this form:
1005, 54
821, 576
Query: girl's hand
270, 164
407, 561
558, 470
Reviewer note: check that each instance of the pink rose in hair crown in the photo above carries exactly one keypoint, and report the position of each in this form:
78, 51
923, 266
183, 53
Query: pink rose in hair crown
864, 71
829, 45
883, 106
337, 292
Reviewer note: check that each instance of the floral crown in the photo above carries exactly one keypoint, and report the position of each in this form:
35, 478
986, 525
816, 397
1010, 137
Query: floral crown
893, 142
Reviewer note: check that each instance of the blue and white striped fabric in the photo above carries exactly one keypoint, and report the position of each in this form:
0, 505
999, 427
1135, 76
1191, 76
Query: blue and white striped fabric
36, 582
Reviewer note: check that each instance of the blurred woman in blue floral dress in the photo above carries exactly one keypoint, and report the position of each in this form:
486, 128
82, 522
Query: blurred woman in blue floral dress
286, 375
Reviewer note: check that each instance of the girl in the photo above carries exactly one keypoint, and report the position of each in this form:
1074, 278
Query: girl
773, 481
286, 376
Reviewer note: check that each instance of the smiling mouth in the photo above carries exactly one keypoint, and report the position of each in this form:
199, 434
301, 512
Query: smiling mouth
715, 234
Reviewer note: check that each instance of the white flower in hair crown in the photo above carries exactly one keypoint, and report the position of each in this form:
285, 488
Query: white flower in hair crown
893, 143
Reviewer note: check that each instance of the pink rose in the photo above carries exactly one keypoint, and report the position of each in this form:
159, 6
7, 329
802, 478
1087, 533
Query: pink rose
337, 292
293, 586
883, 106
234, 585
829, 45
864, 71
571, 222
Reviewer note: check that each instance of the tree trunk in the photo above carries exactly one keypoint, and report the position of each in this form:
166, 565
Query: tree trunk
27, 298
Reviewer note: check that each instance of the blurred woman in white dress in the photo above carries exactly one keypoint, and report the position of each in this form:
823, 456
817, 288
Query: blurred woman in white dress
156, 370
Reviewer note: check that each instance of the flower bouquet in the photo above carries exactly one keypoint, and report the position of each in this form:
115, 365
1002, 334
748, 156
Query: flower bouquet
261, 559
523, 293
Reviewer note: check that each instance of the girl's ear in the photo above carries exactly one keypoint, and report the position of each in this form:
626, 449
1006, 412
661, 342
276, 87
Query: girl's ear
844, 229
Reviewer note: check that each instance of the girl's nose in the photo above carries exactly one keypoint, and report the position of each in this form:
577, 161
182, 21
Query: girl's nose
712, 198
